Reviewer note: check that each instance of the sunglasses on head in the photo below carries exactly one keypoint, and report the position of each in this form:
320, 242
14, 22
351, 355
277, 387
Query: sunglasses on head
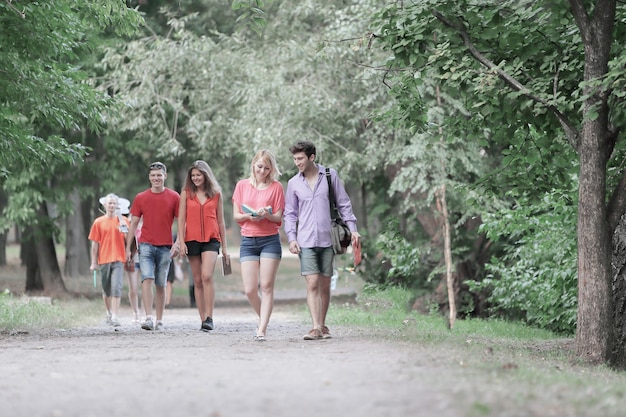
157, 165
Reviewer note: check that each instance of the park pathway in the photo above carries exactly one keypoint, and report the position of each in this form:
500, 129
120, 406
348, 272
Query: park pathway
180, 371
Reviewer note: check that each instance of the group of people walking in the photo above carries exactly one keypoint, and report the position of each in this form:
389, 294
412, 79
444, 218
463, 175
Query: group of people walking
260, 207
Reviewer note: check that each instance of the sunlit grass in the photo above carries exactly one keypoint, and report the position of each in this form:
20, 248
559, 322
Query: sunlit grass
26, 314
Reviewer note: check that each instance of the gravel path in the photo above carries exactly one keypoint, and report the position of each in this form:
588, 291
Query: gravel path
181, 371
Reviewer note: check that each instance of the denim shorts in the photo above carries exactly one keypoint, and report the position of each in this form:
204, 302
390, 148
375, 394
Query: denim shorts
112, 276
154, 263
255, 248
316, 261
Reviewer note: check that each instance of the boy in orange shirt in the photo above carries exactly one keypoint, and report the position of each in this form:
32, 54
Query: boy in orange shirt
108, 254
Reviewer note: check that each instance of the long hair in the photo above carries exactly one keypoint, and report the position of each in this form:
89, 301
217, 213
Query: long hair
268, 158
211, 186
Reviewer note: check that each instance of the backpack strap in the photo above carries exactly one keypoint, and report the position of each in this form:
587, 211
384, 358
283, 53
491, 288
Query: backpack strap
331, 197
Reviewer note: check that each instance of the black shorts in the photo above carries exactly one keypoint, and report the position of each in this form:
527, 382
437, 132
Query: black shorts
195, 248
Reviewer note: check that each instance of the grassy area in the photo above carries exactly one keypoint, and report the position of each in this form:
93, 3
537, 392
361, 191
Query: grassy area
22, 314
516, 364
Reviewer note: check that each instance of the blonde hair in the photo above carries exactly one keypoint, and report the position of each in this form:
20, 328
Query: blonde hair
211, 186
268, 158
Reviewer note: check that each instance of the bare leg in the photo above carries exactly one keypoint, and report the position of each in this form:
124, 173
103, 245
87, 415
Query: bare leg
133, 294
198, 289
269, 266
313, 299
147, 296
250, 279
115, 307
208, 267
324, 286
168, 292
160, 302
107, 304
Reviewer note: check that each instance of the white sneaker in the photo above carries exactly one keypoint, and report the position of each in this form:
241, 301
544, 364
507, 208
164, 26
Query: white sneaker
148, 324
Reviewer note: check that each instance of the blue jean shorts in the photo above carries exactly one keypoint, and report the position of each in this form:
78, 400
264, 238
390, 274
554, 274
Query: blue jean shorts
255, 248
316, 261
112, 276
154, 263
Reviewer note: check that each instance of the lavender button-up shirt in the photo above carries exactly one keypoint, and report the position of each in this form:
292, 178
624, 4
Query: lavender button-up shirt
307, 211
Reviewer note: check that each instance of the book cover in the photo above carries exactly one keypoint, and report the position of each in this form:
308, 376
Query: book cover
247, 209
356, 251
226, 266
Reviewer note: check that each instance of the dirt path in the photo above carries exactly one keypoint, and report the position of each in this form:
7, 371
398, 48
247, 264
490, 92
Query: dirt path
184, 372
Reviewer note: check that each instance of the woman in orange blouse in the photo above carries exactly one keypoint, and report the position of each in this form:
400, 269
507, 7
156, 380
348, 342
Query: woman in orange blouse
202, 231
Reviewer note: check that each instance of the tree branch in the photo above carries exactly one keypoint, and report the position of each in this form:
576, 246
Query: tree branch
15, 9
571, 132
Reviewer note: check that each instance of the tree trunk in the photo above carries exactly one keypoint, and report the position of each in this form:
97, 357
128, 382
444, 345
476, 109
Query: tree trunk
618, 355
29, 259
447, 254
3, 235
76, 246
46, 264
594, 327
594, 320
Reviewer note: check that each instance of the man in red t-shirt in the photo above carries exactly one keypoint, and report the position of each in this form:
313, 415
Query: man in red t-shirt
158, 206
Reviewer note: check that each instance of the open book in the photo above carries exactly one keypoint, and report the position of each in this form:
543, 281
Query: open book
247, 209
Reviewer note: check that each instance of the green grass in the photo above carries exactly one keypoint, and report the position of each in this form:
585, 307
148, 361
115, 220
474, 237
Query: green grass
510, 365
24, 314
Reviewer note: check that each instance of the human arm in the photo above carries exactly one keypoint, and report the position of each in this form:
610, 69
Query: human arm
291, 218
182, 222
130, 236
240, 217
95, 246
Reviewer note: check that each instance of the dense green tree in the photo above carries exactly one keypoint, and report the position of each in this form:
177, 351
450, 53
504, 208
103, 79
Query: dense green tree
45, 97
559, 68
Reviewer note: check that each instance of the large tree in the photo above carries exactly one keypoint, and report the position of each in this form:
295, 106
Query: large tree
559, 68
44, 97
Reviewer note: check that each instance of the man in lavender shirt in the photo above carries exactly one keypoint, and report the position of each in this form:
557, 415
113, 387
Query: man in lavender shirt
307, 225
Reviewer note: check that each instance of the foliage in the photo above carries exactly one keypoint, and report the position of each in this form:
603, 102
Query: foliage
535, 280
401, 259
251, 13
45, 96
517, 68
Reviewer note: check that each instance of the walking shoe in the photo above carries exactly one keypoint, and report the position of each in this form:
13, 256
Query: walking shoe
325, 333
148, 324
113, 322
313, 334
207, 324
159, 325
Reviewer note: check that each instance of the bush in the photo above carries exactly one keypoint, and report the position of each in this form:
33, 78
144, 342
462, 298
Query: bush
536, 279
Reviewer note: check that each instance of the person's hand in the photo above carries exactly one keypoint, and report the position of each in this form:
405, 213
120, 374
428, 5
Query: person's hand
356, 239
256, 218
183, 250
175, 250
263, 212
294, 247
